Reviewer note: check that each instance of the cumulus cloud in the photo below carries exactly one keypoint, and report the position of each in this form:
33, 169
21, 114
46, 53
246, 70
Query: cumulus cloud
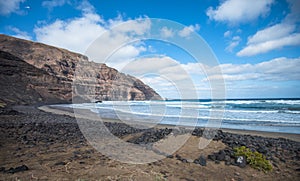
278, 69
167, 74
10, 6
77, 34
239, 11
274, 32
186, 31
166, 32
277, 36
73, 34
263, 47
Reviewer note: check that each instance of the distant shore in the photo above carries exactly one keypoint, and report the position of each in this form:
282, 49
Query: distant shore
47, 144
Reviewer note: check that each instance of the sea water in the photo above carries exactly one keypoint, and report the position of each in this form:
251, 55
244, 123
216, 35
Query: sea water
273, 115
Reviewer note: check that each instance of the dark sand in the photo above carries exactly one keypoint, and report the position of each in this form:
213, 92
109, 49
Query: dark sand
53, 148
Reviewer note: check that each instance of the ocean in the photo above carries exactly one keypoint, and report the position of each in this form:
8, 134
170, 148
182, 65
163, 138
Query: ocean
271, 115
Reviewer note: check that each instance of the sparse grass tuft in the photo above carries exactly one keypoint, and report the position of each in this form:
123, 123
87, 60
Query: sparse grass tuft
254, 159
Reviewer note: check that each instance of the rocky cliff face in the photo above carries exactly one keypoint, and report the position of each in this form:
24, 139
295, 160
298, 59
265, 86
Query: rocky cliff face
49, 74
22, 83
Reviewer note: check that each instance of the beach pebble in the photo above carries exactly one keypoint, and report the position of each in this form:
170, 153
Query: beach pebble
212, 157
60, 163
202, 161
227, 160
170, 156
2, 169
17, 169
221, 155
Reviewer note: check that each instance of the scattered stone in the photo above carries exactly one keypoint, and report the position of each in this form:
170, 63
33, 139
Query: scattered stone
2, 169
18, 169
184, 160
190, 160
241, 161
282, 159
76, 152
227, 162
227, 158
221, 155
202, 161
170, 156
217, 161
178, 157
212, 157
60, 163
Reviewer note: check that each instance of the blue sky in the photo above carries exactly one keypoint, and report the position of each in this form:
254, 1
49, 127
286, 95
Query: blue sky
256, 42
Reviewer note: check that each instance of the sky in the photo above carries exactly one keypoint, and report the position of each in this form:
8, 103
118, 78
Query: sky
251, 46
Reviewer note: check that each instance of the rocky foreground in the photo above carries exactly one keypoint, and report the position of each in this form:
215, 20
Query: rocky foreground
42, 146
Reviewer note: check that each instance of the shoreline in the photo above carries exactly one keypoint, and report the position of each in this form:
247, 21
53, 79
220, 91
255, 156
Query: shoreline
70, 112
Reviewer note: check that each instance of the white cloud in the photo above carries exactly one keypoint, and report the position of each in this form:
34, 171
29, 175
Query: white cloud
158, 65
165, 74
239, 11
54, 3
263, 47
121, 45
294, 15
86, 7
73, 34
274, 32
166, 32
233, 43
19, 33
227, 34
275, 37
77, 34
186, 31
279, 69
170, 77
122, 58
10, 6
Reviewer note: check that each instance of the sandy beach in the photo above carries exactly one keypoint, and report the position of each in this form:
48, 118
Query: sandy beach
70, 112
40, 145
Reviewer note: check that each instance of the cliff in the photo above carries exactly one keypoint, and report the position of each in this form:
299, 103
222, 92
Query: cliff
33, 72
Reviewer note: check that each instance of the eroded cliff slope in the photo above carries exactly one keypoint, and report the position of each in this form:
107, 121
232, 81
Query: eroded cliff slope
33, 72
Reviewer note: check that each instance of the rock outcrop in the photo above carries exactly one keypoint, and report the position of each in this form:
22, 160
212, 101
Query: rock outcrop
33, 72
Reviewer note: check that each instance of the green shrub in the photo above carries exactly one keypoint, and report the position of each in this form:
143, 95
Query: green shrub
254, 159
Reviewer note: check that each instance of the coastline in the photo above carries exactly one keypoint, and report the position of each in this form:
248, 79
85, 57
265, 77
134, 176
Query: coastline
41, 145
70, 112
